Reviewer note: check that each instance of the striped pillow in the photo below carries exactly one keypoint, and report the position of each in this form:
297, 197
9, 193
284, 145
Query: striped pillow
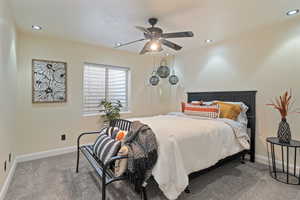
112, 132
211, 111
105, 147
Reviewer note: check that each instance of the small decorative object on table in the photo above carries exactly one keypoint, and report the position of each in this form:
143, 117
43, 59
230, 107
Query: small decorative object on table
154, 79
111, 109
287, 172
173, 79
284, 106
163, 71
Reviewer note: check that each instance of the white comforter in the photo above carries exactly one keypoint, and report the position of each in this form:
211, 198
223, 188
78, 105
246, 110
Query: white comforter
189, 144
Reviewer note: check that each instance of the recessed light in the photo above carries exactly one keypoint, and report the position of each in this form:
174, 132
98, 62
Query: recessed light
118, 44
36, 27
292, 12
208, 41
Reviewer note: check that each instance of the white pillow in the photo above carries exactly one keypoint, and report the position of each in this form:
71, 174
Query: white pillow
208, 103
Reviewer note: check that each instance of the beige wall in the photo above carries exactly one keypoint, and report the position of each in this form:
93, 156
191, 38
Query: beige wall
40, 126
266, 60
8, 71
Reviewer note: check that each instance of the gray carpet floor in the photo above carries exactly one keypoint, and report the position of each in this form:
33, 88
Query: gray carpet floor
54, 178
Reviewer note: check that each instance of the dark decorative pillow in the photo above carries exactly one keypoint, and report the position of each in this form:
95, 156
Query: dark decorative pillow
105, 147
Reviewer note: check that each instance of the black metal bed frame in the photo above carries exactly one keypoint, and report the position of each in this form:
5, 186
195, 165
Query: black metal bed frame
105, 170
247, 97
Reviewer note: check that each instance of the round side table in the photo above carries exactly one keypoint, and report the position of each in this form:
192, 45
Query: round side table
285, 172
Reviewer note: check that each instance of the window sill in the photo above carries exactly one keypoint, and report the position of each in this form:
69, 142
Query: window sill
102, 114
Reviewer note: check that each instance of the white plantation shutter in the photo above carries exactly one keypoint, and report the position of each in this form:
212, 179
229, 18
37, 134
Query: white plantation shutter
104, 82
117, 86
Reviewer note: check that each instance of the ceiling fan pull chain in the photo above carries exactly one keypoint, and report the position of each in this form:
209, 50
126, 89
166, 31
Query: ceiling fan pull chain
173, 79
164, 62
173, 64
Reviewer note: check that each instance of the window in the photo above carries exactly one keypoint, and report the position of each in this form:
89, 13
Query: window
104, 82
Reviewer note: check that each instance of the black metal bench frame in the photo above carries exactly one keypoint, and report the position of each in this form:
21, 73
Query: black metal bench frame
105, 171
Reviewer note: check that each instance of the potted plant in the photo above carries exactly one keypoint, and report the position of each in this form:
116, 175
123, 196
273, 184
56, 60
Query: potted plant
111, 110
284, 105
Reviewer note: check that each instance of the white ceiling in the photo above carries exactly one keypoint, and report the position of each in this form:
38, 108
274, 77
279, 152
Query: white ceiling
106, 22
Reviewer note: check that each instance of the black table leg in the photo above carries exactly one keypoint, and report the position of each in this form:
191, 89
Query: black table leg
287, 165
299, 173
282, 156
273, 160
269, 159
295, 161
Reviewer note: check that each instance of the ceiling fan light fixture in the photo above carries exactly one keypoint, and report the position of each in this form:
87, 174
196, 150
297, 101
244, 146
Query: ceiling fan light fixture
156, 38
118, 44
155, 46
36, 27
208, 41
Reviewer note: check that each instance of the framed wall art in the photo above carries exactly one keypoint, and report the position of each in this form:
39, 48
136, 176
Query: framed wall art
49, 81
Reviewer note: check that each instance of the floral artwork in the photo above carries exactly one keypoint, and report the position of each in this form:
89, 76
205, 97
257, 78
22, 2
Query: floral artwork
49, 81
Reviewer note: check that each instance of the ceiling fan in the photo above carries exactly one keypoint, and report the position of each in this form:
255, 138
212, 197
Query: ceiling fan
156, 38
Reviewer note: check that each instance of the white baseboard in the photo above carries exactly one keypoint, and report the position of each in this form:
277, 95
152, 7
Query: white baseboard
45, 154
264, 160
261, 159
8, 180
29, 157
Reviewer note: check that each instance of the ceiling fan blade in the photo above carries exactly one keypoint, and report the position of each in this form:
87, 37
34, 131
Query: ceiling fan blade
128, 43
178, 34
171, 44
145, 48
145, 30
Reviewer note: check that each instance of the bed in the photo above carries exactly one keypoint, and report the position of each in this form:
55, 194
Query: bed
190, 144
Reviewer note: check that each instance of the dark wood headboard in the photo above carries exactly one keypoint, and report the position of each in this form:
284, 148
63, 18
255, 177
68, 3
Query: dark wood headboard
247, 97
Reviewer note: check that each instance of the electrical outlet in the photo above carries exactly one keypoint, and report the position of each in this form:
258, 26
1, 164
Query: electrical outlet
9, 157
63, 137
4, 166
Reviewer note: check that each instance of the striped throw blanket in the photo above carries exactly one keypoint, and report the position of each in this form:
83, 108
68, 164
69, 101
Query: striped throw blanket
142, 153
